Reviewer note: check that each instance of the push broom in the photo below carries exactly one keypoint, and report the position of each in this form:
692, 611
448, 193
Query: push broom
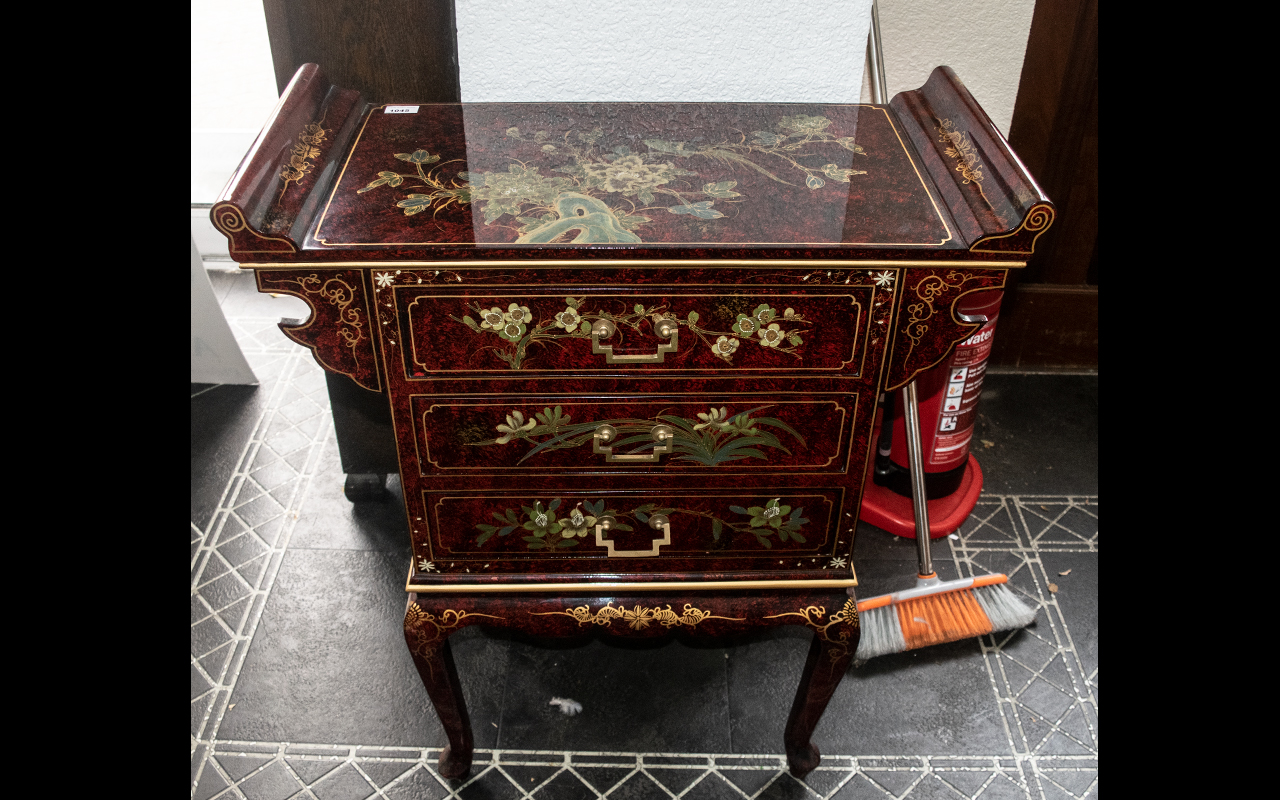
934, 611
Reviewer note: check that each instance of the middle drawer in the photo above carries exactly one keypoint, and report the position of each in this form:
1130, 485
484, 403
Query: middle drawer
742, 432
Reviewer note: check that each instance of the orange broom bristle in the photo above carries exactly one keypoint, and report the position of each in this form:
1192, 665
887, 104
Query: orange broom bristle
939, 618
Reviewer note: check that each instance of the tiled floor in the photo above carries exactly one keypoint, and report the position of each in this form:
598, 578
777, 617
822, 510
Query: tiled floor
301, 684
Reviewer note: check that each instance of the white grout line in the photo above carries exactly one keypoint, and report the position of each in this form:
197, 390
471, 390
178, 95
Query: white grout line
291, 498
920, 767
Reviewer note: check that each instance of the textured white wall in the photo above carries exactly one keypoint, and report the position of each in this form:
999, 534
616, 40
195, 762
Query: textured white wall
662, 50
983, 41
233, 89
745, 50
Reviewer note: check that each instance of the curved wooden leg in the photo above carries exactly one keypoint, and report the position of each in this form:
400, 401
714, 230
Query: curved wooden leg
830, 654
428, 642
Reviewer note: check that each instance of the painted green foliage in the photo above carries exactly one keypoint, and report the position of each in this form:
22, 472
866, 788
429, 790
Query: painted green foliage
516, 328
601, 194
541, 529
717, 439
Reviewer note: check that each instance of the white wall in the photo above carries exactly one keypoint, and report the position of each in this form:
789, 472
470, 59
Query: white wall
735, 50
983, 41
745, 50
233, 89
662, 50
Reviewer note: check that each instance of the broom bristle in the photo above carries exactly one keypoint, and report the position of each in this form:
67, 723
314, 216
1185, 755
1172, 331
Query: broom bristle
1003, 608
881, 634
948, 616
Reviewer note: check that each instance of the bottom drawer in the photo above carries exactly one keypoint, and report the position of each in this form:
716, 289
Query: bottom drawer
709, 534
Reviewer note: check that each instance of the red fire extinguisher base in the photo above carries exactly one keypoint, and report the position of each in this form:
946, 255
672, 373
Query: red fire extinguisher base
890, 511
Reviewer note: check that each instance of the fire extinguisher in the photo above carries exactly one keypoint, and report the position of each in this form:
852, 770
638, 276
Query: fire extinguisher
949, 395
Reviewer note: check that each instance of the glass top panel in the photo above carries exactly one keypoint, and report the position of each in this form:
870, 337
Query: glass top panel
678, 174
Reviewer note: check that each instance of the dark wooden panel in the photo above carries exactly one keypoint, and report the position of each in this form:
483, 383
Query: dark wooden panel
388, 50
1048, 326
1055, 132
1050, 314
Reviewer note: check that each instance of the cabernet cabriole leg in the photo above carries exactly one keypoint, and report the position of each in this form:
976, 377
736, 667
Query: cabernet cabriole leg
834, 643
427, 636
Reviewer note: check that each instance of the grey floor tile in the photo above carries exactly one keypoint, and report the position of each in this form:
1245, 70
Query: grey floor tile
933, 701
1077, 599
331, 521
328, 662
222, 419
1044, 430
664, 699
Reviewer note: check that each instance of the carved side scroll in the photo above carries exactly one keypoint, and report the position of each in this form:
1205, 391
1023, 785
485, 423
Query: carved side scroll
925, 328
340, 331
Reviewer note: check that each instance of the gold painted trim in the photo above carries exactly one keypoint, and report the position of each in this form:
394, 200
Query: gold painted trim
637, 618
906, 152
506, 401
228, 219
1038, 220
348, 316
1004, 281
834, 500
641, 263
663, 586
857, 347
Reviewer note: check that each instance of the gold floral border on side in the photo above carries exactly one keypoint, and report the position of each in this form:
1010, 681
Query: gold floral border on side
426, 641
927, 290
846, 617
341, 295
962, 150
639, 617
304, 152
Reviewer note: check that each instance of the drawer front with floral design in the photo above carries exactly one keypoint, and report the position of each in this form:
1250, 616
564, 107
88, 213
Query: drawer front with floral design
742, 432
704, 332
644, 533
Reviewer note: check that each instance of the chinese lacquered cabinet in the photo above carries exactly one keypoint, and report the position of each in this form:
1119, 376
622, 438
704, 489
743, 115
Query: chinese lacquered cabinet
632, 351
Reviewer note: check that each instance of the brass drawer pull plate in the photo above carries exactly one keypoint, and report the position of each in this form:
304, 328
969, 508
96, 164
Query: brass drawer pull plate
657, 522
603, 329
663, 434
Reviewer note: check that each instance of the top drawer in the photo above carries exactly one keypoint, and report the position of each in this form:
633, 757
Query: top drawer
560, 330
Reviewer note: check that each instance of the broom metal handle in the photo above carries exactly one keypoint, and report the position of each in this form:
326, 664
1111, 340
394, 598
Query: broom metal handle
919, 502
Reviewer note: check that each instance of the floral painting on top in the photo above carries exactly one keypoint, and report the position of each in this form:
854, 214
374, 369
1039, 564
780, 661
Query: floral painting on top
582, 187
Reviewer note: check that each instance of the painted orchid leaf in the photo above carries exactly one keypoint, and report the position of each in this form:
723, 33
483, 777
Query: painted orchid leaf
701, 210
777, 423
723, 189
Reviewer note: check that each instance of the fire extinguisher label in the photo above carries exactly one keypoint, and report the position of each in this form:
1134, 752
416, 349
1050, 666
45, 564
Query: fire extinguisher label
960, 403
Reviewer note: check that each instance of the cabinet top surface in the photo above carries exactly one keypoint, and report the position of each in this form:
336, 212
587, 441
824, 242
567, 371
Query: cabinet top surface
629, 173
333, 178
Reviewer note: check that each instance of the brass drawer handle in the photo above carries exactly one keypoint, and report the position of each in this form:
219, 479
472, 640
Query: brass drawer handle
603, 329
664, 435
657, 522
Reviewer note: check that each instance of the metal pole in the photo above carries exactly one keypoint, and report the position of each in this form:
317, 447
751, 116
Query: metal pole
879, 89
919, 501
